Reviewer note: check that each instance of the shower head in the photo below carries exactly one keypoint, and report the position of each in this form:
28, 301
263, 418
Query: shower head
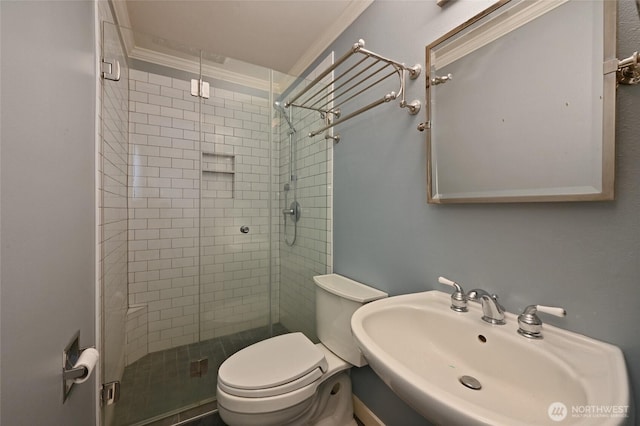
278, 105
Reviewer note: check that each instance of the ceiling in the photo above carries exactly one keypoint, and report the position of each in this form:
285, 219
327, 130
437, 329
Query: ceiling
284, 35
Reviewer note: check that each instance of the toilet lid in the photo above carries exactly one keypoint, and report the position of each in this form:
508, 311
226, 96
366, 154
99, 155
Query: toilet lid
271, 363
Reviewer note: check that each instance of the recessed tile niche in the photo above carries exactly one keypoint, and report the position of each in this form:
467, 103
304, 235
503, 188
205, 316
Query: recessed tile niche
218, 172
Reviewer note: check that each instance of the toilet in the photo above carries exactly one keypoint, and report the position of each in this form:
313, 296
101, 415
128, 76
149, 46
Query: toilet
289, 380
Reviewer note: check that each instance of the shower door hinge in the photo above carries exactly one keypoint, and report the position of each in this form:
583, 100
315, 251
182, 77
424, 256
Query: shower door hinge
110, 69
199, 88
110, 393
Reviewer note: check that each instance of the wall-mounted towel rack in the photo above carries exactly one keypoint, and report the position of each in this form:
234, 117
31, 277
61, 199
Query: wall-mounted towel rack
358, 71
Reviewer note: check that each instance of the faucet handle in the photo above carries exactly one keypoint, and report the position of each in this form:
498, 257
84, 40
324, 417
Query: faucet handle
553, 310
529, 323
447, 281
458, 299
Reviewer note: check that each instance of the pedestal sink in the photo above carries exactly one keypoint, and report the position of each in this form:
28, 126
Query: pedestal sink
455, 369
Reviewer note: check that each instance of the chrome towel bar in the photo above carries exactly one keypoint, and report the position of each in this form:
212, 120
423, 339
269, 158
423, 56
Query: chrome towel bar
330, 95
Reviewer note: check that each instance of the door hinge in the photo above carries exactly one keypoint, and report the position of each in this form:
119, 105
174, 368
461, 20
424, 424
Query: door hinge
110, 69
110, 393
199, 88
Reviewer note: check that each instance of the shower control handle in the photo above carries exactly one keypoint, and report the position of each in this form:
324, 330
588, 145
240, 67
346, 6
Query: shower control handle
293, 211
244, 229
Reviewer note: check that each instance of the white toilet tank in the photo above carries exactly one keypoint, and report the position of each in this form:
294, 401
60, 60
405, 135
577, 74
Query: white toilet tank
337, 298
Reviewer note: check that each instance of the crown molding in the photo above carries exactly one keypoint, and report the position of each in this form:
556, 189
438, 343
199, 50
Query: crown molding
191, 66
352, 12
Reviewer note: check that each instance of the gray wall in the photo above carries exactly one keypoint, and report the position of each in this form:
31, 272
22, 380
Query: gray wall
582, 256
48, 212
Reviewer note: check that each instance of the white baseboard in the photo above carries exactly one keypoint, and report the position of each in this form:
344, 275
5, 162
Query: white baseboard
364, 414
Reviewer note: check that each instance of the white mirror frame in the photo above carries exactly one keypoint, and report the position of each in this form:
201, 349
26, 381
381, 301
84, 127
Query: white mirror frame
606, 190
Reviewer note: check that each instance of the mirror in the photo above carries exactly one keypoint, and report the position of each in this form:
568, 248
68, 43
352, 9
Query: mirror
519, 106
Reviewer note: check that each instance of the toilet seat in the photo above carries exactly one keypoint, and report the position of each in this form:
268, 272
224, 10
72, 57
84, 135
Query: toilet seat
272, 367
268, 404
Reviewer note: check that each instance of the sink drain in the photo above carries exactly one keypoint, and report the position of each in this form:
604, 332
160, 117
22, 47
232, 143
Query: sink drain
470, 382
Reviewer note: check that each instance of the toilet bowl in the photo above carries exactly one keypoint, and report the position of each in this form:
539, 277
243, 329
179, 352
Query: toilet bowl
288, 380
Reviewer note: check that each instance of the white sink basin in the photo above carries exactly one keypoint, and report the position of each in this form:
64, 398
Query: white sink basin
420, 348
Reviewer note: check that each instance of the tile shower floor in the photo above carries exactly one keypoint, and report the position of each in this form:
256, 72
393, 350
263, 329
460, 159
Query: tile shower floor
160, 384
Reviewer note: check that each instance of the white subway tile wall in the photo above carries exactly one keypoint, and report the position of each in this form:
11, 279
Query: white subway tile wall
197, 274
235, 265
166, 246
310, 255
163, 209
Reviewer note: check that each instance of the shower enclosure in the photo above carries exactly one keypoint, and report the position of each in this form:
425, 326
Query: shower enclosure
195, 164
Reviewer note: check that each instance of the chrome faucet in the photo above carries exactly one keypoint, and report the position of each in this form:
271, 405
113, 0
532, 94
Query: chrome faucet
492, 311
476, 294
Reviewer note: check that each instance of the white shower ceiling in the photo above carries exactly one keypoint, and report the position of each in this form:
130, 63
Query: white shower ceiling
285, 35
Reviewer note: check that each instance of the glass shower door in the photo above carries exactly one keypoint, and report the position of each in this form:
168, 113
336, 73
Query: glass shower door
195, 259
112, 237
151, 347
235, 234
